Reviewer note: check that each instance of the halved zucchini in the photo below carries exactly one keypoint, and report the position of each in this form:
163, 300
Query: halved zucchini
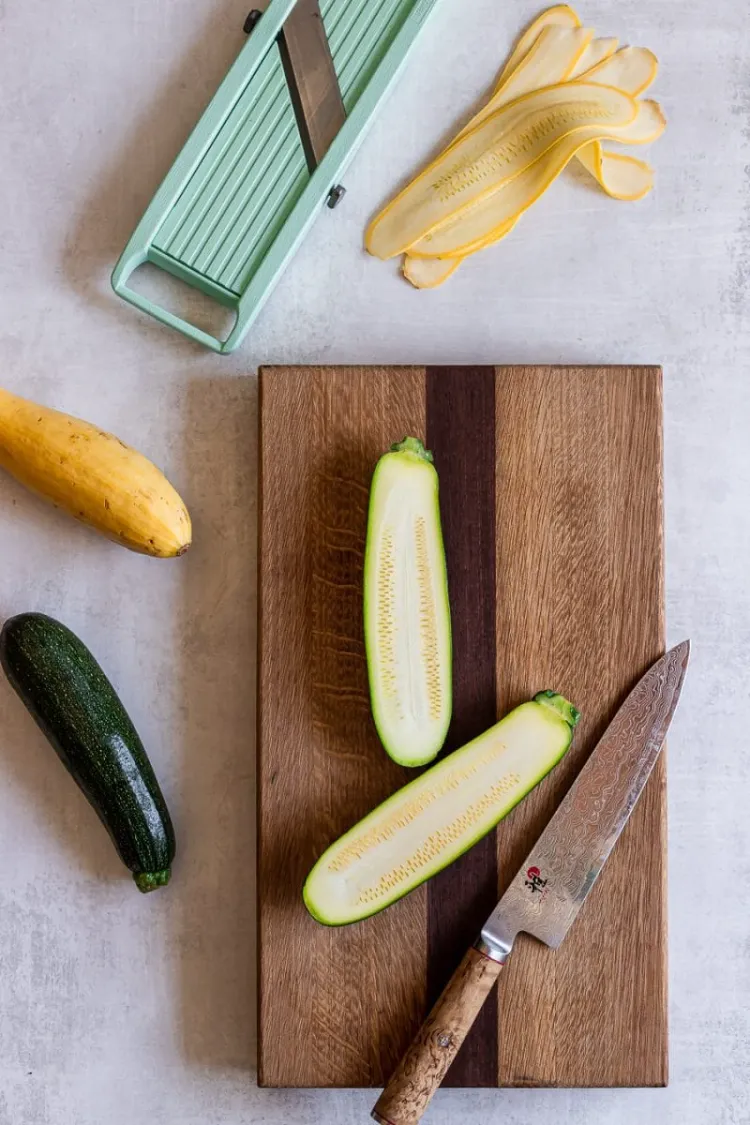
407, 615
435, 819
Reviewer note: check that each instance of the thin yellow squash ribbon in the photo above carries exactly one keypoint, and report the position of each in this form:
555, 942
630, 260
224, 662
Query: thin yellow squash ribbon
493, 154
511, 151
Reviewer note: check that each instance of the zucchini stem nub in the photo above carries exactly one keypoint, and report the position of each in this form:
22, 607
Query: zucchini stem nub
414, 446
560, 705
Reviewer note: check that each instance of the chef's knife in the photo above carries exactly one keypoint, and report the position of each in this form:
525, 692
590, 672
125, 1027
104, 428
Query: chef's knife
549, 890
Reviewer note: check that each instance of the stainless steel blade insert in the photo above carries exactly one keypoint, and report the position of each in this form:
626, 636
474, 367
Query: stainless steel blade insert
549, 890
311, 75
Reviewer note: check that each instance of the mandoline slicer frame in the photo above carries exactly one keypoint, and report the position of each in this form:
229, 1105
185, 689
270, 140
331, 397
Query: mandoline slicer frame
243, 192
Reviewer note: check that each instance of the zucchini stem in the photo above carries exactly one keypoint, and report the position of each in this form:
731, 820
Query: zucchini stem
147, 881
414, 446
560, 705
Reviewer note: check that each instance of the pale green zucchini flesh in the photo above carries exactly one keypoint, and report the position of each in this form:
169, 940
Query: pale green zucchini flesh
436, 818
407, 615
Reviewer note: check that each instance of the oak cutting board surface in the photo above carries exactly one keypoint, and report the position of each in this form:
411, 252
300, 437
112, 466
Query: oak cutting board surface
551, 500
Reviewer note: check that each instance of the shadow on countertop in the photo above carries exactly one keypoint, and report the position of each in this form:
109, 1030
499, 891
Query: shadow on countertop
55, 801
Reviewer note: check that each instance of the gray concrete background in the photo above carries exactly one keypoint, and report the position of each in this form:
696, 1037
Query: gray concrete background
119, 1008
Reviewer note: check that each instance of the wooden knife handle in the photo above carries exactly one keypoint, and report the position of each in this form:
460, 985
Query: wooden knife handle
436, 1045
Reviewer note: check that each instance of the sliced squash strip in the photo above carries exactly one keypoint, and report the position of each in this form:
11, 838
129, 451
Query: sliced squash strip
631, 69
549, 62
492, 155
480, 244
562, 15
597, 51
621, 176
460, 234
555, 55
428, 273
559, 53
463, 202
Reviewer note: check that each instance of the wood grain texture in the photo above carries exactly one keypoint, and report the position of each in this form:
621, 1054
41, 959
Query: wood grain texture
337, 1007
578, 608
461, 434
427, 1061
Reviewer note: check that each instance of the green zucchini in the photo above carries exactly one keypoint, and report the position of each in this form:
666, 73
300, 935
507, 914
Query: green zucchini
407, 615
435, 819
79, 711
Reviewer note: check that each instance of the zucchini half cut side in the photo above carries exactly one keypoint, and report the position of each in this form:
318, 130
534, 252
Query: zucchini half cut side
407, 615
433, 820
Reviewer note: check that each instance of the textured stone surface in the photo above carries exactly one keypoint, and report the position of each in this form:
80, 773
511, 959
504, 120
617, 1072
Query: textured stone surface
120, 1008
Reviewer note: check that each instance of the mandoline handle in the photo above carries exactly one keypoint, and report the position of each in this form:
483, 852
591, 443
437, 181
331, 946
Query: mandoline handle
119, 284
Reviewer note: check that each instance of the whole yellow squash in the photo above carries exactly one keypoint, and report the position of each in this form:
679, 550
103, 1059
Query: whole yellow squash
94, 476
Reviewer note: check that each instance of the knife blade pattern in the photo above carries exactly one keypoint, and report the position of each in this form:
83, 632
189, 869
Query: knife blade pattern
552, 884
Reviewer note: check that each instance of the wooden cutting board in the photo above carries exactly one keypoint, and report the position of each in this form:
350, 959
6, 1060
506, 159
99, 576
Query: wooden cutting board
551, 499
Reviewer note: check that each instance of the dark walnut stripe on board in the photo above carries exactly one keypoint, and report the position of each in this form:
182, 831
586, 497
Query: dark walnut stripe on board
461, 435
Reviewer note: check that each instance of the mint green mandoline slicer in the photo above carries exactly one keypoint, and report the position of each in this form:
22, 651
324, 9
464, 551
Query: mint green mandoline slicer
268, 152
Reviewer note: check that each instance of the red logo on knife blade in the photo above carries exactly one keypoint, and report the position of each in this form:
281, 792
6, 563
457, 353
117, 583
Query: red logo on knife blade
534, 881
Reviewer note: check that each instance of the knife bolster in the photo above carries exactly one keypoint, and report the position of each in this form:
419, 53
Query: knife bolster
493, 951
